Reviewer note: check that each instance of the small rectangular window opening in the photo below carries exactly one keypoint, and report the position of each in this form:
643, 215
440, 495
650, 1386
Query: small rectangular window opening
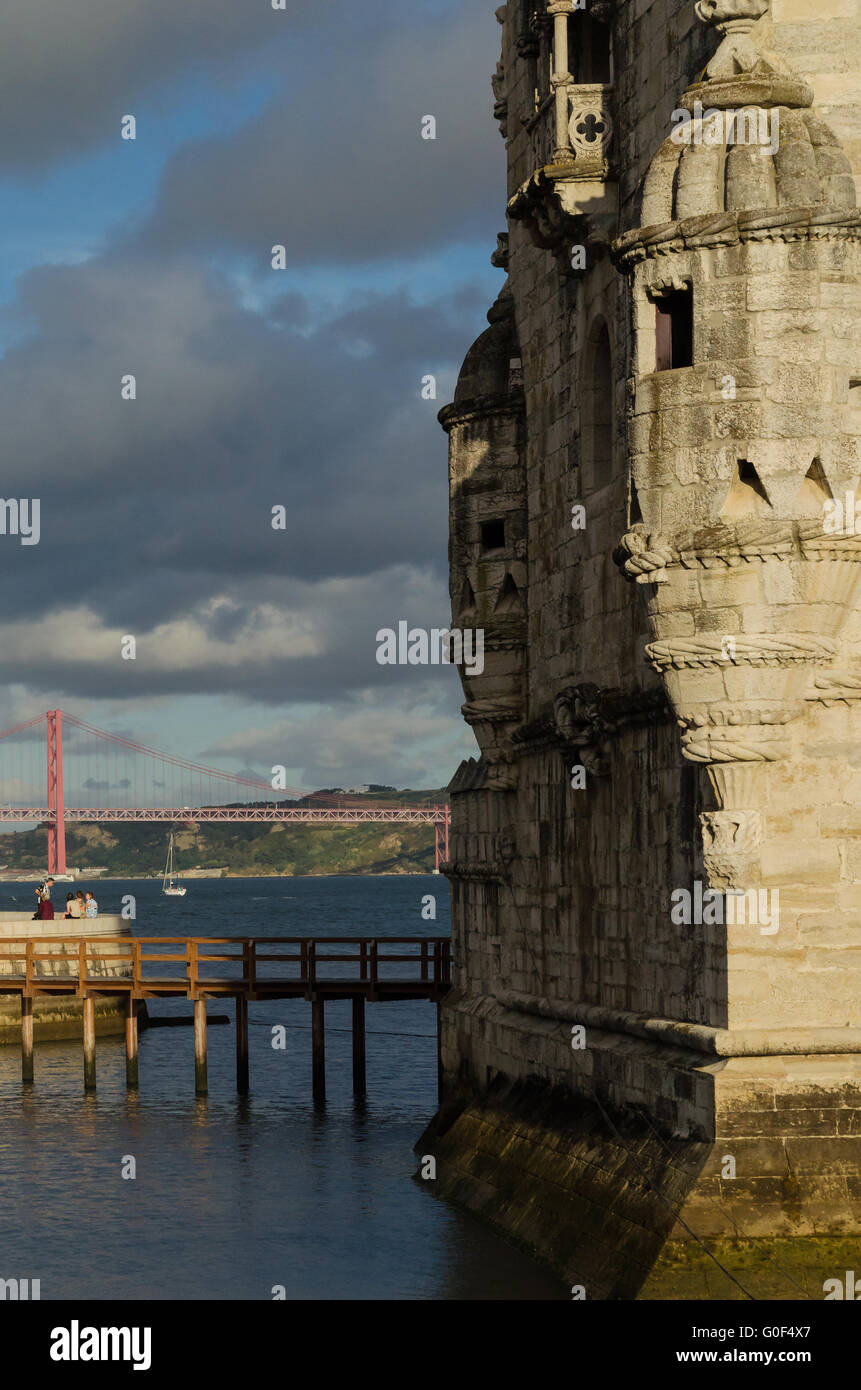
589, 45
674, 326
493, 535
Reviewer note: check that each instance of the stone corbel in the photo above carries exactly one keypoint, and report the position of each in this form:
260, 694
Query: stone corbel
561, 210
582, 727
499, 257
731, 847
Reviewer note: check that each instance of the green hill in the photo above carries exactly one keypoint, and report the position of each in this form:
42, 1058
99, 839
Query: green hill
138, 849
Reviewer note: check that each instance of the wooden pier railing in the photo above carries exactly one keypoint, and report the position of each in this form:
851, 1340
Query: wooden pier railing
374, 969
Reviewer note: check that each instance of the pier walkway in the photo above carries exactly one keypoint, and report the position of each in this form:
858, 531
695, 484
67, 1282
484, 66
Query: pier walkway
247, 969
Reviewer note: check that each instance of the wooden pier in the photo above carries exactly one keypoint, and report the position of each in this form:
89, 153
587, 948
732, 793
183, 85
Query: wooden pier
247, 969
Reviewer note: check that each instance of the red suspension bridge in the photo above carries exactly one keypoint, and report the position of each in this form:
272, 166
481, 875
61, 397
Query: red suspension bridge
170, 788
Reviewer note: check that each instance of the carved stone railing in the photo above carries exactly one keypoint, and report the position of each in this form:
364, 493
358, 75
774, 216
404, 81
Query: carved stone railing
584, 122
542, 133
583, 116
574, 126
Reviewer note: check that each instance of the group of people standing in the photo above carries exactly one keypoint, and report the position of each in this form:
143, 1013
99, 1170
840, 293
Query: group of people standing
77, 904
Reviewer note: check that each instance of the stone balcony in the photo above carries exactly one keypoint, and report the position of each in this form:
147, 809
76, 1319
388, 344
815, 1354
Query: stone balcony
572, 195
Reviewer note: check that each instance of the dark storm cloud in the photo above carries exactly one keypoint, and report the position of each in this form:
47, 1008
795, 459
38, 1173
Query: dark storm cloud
336, 169
149, 506
70, 70
156, 513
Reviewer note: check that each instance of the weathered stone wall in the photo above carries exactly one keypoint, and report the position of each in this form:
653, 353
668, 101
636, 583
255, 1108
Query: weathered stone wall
736, 770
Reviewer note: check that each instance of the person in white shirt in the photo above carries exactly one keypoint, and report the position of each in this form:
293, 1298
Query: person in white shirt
73, 907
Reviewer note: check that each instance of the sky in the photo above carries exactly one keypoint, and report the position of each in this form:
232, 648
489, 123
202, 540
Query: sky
255, 388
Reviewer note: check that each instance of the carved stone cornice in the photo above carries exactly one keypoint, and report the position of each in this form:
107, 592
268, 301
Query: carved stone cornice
713, 229
645, 557
761, 87
491, 711
511, 402
748, 649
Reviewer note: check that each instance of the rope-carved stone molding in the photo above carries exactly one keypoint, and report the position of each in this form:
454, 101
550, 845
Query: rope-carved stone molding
737, 733
833, 687
819, 223
754, 744
735, 716
759, 649
644, 556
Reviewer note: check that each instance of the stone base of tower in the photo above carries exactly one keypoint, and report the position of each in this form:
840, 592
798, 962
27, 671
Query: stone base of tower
638, 1170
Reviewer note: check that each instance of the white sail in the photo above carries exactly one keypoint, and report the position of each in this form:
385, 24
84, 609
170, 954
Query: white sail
168, 885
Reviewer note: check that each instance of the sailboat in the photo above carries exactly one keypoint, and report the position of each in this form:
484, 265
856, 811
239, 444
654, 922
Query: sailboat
172, 889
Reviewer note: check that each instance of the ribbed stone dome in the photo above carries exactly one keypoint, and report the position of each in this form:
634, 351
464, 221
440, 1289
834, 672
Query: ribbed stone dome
487, 366
803, 167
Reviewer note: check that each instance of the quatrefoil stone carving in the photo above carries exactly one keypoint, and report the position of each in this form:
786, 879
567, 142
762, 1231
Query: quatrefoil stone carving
590, 130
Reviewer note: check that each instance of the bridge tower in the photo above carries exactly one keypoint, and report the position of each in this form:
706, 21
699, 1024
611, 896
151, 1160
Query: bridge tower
57, 829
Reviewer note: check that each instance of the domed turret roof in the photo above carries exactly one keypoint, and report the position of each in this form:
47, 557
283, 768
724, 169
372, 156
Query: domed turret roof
486, 370
739, 161
746, 139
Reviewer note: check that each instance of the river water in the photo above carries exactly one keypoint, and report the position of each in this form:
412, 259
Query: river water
236, 1195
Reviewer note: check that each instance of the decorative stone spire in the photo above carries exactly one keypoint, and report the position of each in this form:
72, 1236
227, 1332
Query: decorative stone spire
731, 16
739, 74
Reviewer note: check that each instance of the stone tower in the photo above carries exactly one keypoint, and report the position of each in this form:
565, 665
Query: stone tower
656, 863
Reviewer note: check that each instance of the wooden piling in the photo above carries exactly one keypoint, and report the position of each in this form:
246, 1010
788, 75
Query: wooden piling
131, 1043
358, 1045
200, 1084
242, 1044
318, 1051
27, 1039
89, 1043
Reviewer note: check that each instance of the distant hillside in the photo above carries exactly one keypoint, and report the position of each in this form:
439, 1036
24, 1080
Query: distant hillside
256, 849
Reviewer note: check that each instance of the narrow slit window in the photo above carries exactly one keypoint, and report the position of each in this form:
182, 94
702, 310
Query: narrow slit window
674, 325
493, 535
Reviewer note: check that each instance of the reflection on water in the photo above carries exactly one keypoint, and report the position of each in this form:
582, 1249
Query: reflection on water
235, 1195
